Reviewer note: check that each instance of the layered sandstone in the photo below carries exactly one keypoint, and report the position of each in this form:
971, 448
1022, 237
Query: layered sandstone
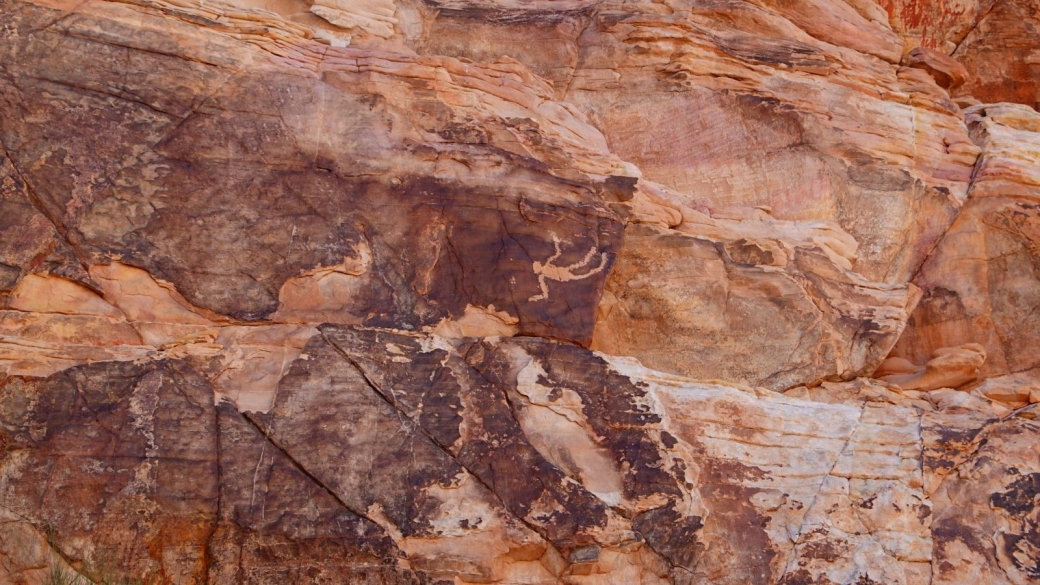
981, 284
997, 41
491, 291
518, 202
402, 453
726, 94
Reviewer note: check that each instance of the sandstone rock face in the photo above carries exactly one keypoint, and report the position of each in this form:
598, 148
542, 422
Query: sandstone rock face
492, 291
997, 41
1000, 547
949, 367
1007, 70
519, 203
681, 302
406, 450
937, 24
981, 283
798, 106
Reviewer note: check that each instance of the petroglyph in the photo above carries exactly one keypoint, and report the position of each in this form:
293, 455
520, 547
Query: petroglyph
550, 271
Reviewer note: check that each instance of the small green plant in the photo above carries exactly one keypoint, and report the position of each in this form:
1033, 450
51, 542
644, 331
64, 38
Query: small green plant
59, 575
102, 573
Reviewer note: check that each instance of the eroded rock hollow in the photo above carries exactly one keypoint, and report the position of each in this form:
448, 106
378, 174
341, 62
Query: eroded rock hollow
579, 292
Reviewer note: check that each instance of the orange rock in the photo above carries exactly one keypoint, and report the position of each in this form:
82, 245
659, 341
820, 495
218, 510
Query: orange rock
980, 284
949, 367
946, 71
420, 291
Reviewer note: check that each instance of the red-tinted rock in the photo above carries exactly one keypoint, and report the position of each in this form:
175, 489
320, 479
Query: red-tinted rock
981, 283
997, 41
946, 71
419, 291
117, 462
277, 524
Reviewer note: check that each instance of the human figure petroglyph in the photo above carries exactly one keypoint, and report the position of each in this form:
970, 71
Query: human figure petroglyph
549, 270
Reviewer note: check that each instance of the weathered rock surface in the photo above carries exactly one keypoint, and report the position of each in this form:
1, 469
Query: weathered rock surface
1008, 69
999, 476
389, 457
949, 367
798, 106
496, 291
997, 41
112, 459
982, 282
133, 472
184, 190
518, 206
683, 302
